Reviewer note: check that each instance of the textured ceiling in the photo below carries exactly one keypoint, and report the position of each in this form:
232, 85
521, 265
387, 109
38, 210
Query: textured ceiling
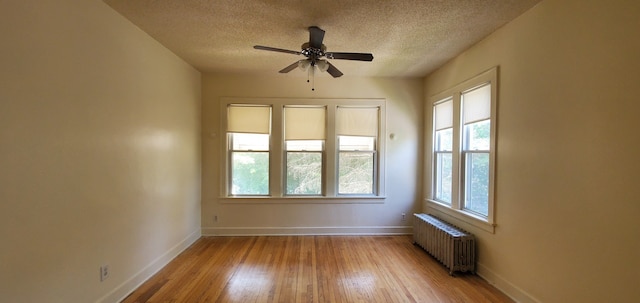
408, 38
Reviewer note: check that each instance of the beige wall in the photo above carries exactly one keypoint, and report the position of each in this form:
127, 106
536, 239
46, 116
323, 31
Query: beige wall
99, 154
567, 167
404, 113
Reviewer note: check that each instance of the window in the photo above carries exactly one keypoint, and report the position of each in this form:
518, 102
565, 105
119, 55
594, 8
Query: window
248, 134
476, 147
305, 149
357, 130
249, 164
442, 150
463, 149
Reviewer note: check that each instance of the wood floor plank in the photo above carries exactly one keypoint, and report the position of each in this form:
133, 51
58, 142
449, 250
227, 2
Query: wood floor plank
310, 269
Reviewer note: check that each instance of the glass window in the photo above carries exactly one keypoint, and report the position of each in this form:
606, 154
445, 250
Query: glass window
463, 160
304, 167
356, 165
305, 128
248, 129
307, 148
249, 164
476, 134
443, 165
357, 130
443, 147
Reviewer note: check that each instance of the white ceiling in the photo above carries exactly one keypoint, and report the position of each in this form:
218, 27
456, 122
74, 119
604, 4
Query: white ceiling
408, 38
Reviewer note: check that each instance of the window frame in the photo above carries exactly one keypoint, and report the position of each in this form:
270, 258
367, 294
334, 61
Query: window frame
457, 208
277, 163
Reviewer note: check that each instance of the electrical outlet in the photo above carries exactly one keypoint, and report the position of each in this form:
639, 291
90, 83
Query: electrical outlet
104, 272
404, 217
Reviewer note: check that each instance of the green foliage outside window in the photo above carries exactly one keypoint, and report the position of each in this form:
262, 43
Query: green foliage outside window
304, 173
250, 173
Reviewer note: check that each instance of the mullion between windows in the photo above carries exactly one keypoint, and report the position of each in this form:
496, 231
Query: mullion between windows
277, 173
456, 193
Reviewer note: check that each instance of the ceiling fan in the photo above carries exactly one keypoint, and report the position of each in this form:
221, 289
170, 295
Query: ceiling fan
316, 55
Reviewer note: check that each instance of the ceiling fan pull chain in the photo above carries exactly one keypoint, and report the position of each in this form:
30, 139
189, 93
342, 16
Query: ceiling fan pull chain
313, 83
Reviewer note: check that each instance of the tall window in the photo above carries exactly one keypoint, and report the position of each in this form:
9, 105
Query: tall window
442, 150
476, 139
463, 148
357, 130
304, 149
248, 129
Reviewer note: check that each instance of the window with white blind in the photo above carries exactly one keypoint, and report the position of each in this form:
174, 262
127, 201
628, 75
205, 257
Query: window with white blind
308, 148
463, 150
304, 135
443, 150
248, 129
357, 131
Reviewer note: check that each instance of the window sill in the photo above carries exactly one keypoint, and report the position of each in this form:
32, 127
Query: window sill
448, 213
304, 200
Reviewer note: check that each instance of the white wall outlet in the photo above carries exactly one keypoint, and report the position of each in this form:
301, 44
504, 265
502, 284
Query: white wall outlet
104, 272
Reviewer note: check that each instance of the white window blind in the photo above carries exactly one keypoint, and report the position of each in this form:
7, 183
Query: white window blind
443, 115
249, 119
357, 121
304, 123
476, 104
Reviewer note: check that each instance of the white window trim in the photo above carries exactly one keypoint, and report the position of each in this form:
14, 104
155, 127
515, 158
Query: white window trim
455, 210
277, 150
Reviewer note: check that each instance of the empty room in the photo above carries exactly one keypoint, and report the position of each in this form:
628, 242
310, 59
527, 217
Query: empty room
296, 151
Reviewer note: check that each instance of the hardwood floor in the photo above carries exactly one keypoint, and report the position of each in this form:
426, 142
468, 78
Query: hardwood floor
310, 269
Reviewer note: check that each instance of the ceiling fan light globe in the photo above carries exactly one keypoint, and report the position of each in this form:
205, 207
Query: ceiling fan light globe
322, 65
304, 64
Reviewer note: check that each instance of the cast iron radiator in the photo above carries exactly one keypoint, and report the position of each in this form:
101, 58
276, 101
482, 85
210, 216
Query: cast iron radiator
452, 246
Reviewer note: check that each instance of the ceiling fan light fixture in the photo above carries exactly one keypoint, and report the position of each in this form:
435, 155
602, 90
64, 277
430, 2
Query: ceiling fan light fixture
322, 65
304, 64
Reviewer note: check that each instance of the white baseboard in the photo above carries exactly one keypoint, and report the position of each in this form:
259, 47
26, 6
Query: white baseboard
304, 231
123, 290
514, 292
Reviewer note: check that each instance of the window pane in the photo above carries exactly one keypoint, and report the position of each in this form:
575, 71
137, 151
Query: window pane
250, 173
304, 173
304, 145
444, 140
355, 173
443, 170
477, 135
353, 143
250, 142
476, 192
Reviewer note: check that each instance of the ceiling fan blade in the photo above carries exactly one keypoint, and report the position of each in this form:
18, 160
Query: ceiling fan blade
316, 35
289, 68
333, 71
273, 49
350, 56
